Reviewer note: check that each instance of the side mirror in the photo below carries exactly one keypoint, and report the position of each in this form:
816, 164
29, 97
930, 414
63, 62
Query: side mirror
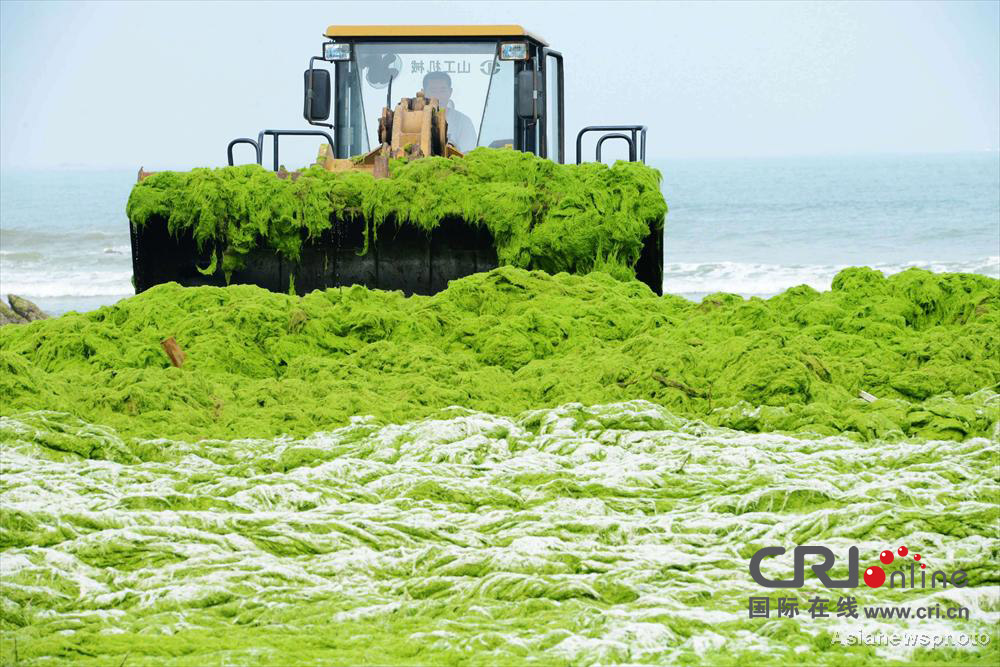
530, 104
317, 95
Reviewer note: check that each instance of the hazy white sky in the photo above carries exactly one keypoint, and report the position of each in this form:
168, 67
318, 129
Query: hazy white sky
167, 85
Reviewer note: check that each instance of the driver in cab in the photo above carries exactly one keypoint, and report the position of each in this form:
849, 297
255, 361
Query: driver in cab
461, 131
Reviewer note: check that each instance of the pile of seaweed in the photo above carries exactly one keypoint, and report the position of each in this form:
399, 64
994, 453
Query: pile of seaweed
261, 364
542, 215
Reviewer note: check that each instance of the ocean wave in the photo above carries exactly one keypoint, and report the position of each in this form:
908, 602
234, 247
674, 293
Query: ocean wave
123, 249
67, 284
690, 279
762, 279
27, 256
41, 236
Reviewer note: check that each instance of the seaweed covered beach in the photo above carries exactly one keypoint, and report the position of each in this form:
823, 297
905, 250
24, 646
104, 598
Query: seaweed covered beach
615, 534
261, 364
524, 468
437, 334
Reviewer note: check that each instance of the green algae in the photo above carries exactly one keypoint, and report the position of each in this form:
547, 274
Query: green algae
580, 535
261, 364
542, 215
543, 478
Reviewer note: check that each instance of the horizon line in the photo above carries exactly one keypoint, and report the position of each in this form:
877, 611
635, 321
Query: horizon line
765, 156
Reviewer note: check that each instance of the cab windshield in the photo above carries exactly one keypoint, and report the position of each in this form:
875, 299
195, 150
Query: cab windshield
472, 84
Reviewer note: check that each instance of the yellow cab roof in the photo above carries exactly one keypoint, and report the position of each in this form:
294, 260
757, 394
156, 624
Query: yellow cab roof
449, 31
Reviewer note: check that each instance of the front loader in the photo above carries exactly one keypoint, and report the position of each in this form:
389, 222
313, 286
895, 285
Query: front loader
396, 94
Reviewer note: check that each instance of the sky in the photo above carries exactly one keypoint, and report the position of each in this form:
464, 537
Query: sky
167, 85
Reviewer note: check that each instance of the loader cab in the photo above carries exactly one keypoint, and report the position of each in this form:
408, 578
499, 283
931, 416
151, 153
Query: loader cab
505, 85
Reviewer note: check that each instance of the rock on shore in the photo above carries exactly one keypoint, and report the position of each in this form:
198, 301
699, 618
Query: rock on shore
21, 311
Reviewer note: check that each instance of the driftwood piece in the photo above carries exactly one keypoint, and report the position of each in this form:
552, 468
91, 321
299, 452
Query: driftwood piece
173, 351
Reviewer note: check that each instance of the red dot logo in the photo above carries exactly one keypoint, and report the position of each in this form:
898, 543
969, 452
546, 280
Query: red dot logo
923, 567
902, 551
886, 557
874, 576
916, 557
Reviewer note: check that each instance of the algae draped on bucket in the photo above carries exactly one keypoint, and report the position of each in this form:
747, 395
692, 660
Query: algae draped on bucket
542, 215
261, 364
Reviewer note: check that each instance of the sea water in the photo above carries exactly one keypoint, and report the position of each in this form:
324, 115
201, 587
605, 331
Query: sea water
754, 227
757, 227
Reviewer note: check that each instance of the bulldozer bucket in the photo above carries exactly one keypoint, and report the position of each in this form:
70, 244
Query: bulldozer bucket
384, 253
398, 258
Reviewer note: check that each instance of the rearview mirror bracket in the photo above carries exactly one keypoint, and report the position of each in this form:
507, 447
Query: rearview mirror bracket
316, 105
529, 97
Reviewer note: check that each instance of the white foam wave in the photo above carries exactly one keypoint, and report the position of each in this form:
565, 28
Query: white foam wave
124, 249
689, 279
67, 284
760, 279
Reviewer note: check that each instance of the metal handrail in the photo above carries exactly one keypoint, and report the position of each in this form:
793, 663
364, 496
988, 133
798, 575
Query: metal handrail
295, 133
258, 146
637, 135
616, 135
243, 140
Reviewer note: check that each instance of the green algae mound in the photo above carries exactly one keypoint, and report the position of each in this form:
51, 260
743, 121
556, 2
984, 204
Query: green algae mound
597, 535
542, 215
261, 364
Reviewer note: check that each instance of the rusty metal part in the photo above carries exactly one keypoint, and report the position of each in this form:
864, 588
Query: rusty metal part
380, 168
416, 128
